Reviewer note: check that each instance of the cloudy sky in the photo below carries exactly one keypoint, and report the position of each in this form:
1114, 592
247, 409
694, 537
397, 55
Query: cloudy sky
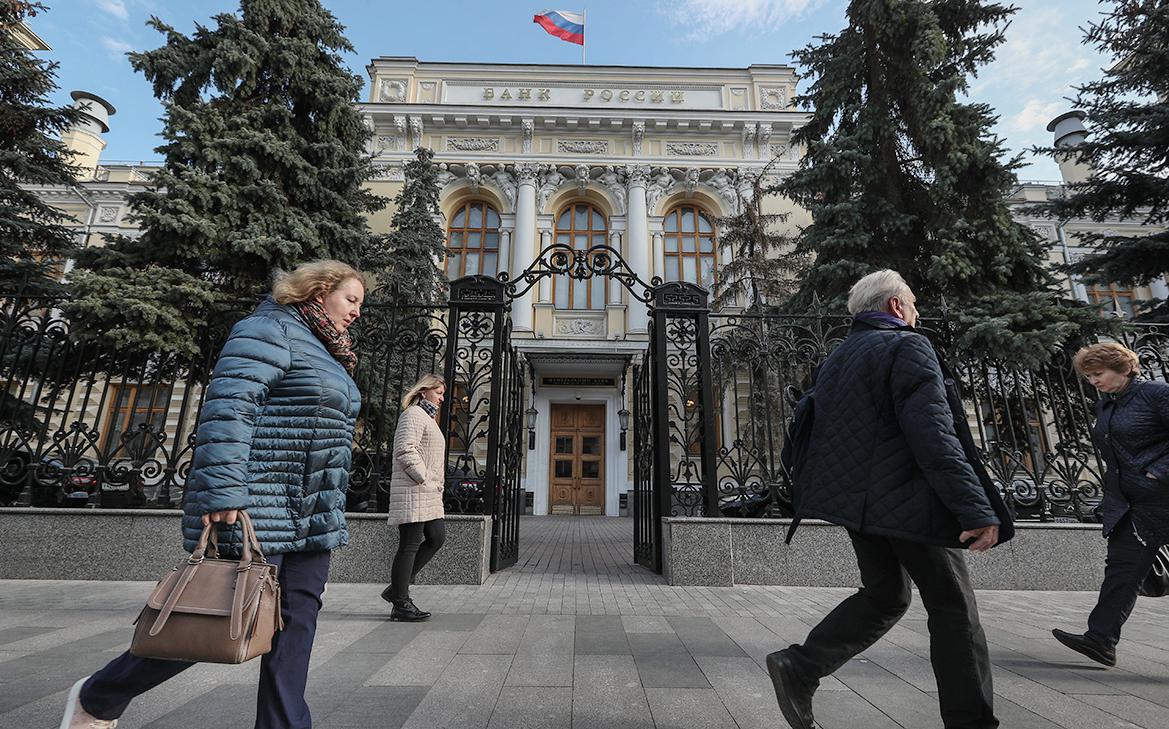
1027, 84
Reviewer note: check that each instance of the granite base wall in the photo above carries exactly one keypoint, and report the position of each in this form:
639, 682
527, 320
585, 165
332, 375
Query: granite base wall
132, 544
723, 552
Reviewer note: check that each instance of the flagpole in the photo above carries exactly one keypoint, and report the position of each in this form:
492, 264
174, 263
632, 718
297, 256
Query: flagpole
584, 15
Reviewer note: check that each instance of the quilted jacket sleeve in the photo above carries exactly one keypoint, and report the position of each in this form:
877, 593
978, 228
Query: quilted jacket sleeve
408, 443
254, 359
919, 398
1160, 402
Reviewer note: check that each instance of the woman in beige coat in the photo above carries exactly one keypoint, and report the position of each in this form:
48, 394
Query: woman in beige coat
416, 487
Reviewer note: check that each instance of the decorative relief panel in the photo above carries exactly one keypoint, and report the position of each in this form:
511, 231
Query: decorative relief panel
579, 326
692, 149
392, 91
472, 144
427, 92
107, 213
583, 146
638, 136
388, 173
772, 98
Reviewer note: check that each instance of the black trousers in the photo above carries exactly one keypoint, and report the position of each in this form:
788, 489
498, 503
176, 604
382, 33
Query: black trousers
957, 643
417, 543
280, 700
1126, 566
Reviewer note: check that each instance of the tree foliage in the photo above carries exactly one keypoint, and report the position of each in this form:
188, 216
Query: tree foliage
34, 237
1127, 148
416, 241
901, 174
264, 163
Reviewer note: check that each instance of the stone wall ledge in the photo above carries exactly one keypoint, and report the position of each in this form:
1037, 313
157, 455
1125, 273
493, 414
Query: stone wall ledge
728, 551
142, 544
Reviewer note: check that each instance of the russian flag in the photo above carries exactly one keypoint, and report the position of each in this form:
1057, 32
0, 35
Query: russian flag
564, 25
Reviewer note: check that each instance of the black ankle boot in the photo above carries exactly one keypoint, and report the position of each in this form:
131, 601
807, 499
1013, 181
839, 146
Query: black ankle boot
1098, 652
407, 612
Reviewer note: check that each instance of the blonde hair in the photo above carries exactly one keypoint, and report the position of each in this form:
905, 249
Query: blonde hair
426, 382
316, 278
872, 292
1116, 357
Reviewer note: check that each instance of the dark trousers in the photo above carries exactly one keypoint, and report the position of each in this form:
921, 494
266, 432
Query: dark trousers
1126, 566
280, 700
957, 644
417, 543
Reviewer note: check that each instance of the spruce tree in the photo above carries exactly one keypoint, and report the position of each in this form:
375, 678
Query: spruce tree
34, 240
901, 174
264, 164
1127, 148
416, 241
761, 270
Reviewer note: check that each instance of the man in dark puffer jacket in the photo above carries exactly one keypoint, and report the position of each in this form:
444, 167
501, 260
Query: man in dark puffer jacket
885, 461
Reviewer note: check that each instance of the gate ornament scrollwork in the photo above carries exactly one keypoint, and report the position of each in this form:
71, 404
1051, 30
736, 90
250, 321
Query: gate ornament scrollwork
561, 259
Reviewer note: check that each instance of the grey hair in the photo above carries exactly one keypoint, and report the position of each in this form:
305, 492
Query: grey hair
872, 293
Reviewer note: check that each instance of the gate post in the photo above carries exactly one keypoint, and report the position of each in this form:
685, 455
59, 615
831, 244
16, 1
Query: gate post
673, 301
483, 295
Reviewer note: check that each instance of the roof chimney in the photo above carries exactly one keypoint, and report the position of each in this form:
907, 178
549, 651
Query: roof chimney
84, 138
1070, 133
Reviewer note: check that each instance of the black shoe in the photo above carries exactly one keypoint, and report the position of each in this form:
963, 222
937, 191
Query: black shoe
1085, 645
407, 612
793, 695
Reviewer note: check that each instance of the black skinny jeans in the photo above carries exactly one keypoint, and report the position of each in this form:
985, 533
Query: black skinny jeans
1128, 563
417, 543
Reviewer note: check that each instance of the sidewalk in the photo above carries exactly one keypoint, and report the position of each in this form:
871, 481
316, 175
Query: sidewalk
574, 636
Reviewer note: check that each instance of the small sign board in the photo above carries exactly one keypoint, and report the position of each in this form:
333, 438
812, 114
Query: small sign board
578, 381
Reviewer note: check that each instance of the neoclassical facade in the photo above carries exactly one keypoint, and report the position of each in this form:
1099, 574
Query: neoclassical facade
644, 160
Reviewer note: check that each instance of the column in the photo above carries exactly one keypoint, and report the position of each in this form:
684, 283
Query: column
637, 253
525, 238
546, 282
660, 254
505, 252
614, 297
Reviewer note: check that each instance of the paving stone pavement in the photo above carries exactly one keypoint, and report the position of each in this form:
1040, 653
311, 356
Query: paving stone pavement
573, 636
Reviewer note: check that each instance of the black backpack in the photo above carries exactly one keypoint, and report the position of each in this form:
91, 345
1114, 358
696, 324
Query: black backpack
795, 448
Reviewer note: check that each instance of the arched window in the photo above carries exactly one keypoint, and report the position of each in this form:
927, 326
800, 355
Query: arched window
581, 226
473, 241
691, 248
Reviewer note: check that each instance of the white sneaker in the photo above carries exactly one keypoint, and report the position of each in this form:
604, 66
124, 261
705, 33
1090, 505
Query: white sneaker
77, 717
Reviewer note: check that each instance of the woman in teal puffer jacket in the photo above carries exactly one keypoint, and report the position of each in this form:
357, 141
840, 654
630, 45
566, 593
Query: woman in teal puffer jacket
275, 438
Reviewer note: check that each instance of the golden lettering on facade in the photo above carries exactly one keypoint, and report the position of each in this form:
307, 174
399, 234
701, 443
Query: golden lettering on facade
625, 96
639, 96
545, 94
524, 94
606, 95
588, 94
676, 97
657, 96
505, 95
488, 93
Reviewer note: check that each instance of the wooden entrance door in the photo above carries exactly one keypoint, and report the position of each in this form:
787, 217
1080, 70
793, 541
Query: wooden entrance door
577, 475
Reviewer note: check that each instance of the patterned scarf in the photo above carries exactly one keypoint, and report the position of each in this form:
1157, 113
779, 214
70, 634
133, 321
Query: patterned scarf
339, 343
430, 408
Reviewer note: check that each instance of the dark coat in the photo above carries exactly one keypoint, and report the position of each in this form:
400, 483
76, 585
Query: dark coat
1132, 434
884, 457
275, 436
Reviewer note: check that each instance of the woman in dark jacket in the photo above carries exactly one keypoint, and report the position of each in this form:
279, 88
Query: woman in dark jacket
1132, 435
275, 438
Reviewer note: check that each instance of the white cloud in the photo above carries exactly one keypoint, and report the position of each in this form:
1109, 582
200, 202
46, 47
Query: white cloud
706, 18
115, 46
1034, 116
116, 8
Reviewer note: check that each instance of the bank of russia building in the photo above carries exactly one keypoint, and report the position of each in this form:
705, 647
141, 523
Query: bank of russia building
644, 160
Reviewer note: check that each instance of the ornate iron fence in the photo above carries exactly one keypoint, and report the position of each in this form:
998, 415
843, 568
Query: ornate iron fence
1032, 426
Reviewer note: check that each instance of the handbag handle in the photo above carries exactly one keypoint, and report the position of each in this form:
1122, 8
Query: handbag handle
208, 544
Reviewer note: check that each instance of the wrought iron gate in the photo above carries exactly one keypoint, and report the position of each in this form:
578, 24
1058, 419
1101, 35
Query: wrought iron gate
485, 396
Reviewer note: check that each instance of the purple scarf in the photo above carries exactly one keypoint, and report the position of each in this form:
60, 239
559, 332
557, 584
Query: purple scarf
880, 317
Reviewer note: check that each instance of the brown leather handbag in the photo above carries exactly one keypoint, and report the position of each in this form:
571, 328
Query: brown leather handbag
212, 610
